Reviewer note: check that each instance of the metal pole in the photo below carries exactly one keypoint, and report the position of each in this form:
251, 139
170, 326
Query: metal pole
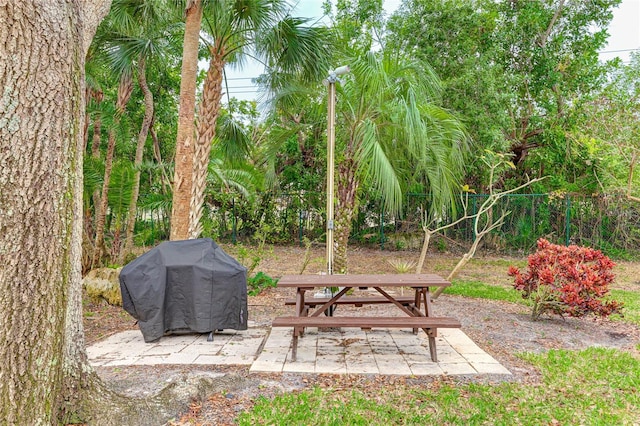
567, 221
331, 142
331, 135
381, 227
233, 233
300, 226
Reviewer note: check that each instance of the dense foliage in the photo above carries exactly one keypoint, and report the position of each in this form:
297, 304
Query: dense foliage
516, 72
433, 82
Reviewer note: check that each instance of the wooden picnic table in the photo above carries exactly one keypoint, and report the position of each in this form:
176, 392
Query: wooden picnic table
417, 310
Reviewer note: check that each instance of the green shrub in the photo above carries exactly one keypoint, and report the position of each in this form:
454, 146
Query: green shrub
259, 282
402, 266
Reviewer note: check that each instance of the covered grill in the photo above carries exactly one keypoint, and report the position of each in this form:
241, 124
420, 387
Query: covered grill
185, 286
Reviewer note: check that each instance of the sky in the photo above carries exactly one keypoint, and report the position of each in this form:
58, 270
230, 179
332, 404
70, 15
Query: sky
624, 37
239, 82
624, 31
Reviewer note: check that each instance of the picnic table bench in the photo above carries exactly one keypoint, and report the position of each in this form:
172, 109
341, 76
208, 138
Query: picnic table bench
357, 301
417, 308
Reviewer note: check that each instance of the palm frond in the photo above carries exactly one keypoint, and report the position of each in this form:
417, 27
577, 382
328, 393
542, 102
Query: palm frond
120, 188
93, 172
243, 179
294, 48
155, 201
372, 155
388, 105
232, 140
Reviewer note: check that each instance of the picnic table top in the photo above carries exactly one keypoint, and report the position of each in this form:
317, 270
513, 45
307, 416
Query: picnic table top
363, 280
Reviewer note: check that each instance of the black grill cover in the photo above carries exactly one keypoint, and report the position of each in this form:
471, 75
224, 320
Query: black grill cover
185, 286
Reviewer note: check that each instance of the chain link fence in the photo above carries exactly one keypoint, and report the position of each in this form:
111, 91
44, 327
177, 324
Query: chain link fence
610, 223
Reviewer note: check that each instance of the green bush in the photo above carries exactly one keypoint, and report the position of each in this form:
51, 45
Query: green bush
259, 282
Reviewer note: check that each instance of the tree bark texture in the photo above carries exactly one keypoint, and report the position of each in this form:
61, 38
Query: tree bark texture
42, 46
185, 147
346, 208
142, 139
208, 112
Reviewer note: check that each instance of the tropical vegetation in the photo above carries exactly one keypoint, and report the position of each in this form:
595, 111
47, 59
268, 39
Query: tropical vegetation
429, 87
126, 105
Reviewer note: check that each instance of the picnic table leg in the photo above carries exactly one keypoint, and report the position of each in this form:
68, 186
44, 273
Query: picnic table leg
431, 333
301, 311
294, 345
299, 301
416, 301
427, 302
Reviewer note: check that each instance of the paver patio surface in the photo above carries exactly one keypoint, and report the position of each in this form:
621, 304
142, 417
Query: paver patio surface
340, 351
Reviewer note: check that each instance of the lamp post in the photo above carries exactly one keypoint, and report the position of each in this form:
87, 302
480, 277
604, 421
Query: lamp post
331, 141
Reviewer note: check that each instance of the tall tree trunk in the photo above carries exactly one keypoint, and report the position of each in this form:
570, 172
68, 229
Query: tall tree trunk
142, 138
208, 111
347, 188
166, 182
95, 153
45, 377
124, 94
43, 46
91, 210
183, 178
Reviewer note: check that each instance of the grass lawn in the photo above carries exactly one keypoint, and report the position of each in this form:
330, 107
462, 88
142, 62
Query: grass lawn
596, 386
484, 291
631, 300
477, 289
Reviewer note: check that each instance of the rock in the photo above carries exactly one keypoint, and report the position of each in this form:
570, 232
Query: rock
103, 283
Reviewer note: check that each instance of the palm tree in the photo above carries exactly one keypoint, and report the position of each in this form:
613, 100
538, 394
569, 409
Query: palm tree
142, 138
134, 32
234, 30
125, 88
390, 132
94, 113
104, 54
183, 178
145, 38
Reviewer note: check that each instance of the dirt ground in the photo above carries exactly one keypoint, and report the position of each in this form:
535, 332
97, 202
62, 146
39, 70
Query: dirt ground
502, 329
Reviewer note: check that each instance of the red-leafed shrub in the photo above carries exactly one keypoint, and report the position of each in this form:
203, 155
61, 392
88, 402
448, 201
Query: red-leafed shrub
567, 281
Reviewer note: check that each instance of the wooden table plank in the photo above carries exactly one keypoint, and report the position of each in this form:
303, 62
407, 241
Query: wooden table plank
363, 280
